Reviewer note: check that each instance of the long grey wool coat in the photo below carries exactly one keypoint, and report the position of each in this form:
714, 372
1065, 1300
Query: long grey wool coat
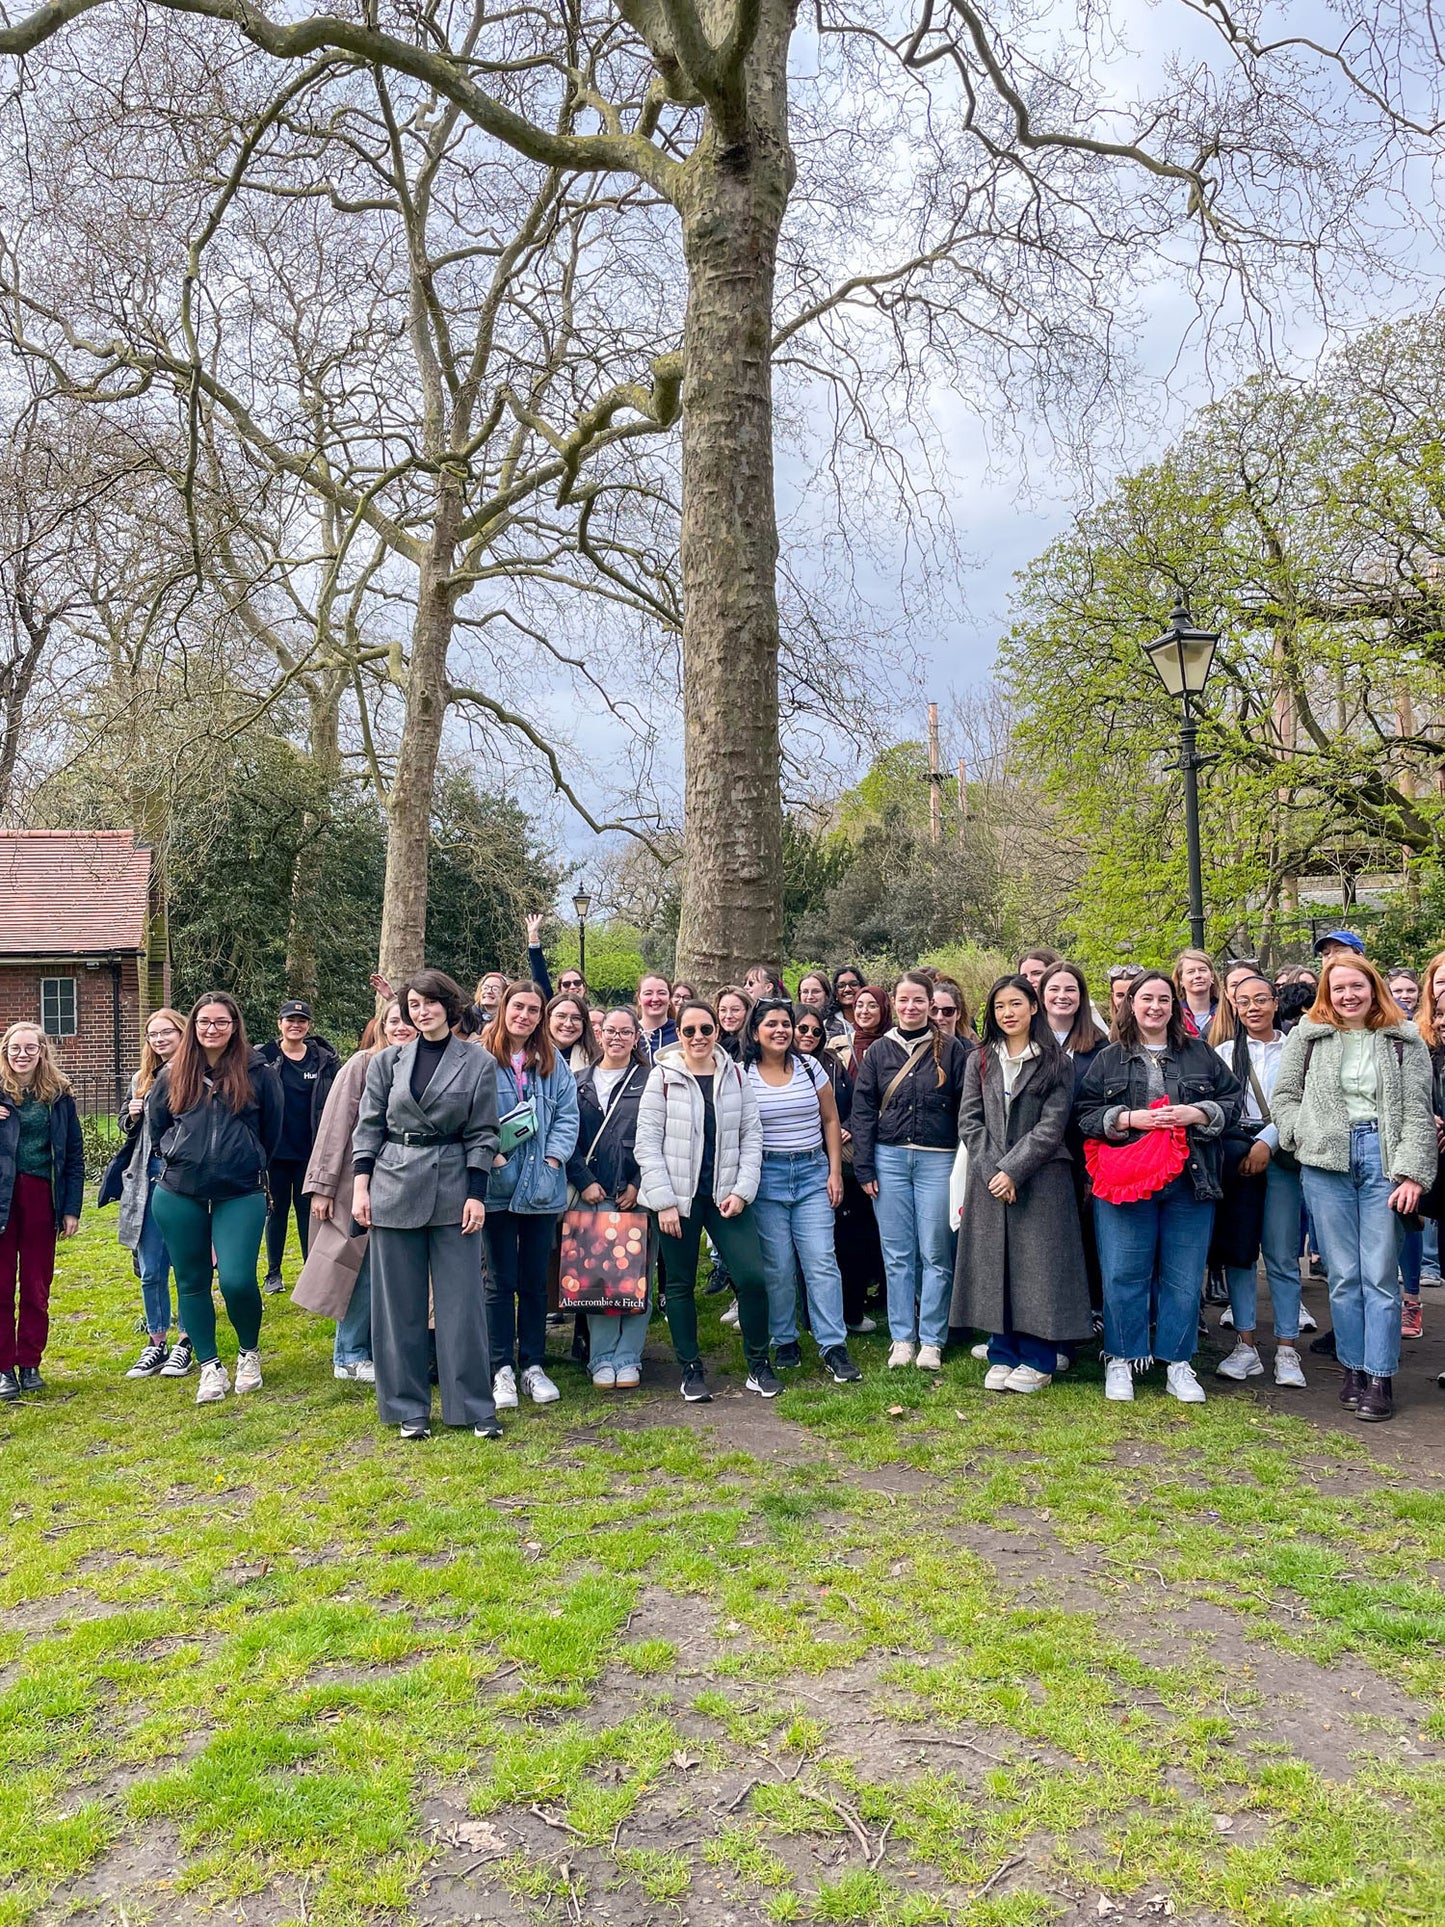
1020, 1266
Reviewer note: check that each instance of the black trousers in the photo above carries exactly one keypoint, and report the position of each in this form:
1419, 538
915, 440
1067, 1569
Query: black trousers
283, 1178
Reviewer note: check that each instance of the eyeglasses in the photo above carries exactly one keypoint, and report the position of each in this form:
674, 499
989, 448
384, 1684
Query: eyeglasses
214, 1023
616, 1036
1257, 1002
17, 1049
699, 1030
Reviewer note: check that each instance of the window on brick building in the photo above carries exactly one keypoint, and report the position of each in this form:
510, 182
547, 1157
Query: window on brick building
57, 1006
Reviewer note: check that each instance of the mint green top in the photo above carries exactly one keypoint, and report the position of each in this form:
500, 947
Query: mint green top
1359, 1080
32, 1155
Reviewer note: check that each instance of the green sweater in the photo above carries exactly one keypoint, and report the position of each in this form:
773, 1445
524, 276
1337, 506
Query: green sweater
32, 1156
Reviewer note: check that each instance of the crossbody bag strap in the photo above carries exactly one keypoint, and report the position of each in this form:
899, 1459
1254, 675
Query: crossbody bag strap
910, 1063
612, 1104
1259, 1097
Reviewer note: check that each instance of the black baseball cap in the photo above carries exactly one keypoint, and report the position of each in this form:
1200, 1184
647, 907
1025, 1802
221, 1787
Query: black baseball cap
295, 1009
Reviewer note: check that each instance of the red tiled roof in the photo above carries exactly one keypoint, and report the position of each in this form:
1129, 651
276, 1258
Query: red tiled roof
72, 892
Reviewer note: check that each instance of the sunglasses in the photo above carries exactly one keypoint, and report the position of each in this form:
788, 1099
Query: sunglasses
699, 1030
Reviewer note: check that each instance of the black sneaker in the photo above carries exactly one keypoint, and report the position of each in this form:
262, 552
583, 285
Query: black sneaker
488, 1429
415, 1430
9, 1386
844, 1371
150, 1361
30, 1379
180, 1361
788, 1358
274, 1283
1324, 1345
762, 1378
694, 1383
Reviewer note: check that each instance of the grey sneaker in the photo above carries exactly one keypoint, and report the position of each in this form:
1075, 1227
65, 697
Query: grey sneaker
762, 1378
274, 1283
248, 1371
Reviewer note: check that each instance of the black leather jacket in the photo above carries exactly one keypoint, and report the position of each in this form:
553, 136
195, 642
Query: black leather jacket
1118, 1079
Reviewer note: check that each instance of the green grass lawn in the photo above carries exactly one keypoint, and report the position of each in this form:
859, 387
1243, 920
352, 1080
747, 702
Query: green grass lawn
894, 1652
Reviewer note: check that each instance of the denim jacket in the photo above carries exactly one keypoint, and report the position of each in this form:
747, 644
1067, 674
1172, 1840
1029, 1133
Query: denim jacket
526, 1183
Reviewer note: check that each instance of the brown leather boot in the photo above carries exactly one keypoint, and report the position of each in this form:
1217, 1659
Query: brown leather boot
1377, 1400
1351, 1389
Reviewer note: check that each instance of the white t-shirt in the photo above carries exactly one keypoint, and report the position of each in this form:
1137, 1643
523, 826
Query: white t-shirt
792, 1119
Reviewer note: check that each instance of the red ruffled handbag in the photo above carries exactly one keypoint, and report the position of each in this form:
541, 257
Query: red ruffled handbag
1125, 1173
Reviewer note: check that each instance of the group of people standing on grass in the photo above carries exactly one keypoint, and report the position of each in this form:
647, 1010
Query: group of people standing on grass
1045, 1175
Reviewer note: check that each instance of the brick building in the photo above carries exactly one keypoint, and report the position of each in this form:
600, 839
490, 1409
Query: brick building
82, 948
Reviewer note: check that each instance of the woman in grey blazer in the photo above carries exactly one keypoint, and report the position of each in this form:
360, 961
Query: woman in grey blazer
423, 1146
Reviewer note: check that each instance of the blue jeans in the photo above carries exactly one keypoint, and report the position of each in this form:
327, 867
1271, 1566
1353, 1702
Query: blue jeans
795, 1226
1430, 1254
913, 1228
353, 1328
616, 1341
1360, 1239
1020, 1348
1152, 1255
1279, 1247
154, 1262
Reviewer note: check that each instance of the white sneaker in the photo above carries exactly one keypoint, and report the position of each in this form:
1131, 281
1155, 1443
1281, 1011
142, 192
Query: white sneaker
1307, 1322
248, 1372
996, 1378
1287, 1368
504, 1389
538, 1387
865, 1324
1118, 1380
930, 1358
1180, 1383
1243, 1362
1062, 1362
604, 1377
730, 1316
363, 1372
1226, 1319
215, 1383
1023, 1378
980, 1352
900, 1353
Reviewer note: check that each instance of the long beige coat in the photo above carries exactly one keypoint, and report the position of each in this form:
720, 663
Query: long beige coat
334, 1256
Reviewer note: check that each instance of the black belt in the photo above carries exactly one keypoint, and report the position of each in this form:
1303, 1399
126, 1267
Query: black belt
419, 1140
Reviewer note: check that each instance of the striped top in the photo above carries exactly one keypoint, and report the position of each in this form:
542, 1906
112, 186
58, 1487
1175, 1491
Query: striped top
792, 1120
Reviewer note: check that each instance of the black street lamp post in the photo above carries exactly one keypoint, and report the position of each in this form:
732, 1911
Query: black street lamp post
582, 903
1182, 659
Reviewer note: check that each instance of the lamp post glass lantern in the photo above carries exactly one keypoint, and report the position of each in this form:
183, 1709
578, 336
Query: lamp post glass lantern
582, 903
1182, 658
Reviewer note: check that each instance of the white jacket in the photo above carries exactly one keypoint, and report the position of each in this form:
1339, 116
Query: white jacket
668, 1146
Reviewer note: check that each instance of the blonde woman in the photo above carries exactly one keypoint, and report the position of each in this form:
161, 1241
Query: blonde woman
136, 1226
1199, 989
42, 1180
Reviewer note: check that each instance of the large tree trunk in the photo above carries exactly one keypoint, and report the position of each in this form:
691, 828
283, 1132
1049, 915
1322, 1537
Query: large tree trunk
732, 886
409, 804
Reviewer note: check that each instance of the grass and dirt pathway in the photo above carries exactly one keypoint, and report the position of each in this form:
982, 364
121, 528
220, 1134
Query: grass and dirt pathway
895, 1653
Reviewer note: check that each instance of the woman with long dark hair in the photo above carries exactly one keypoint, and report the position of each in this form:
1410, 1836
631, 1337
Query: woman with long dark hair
215, 1117
1020, 1273
1064, 994
905, 1138
421, 1152
569, 1025
800, 1188
1153, 1109
527, 1191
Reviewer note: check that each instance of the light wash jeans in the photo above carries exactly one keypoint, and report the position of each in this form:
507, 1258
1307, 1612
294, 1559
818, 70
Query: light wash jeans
913, 1228
1360, 1239
1152, 1255
616, 1341
353, 1328
1279, 1247
795, 1226
154, 1262
1430, 1251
